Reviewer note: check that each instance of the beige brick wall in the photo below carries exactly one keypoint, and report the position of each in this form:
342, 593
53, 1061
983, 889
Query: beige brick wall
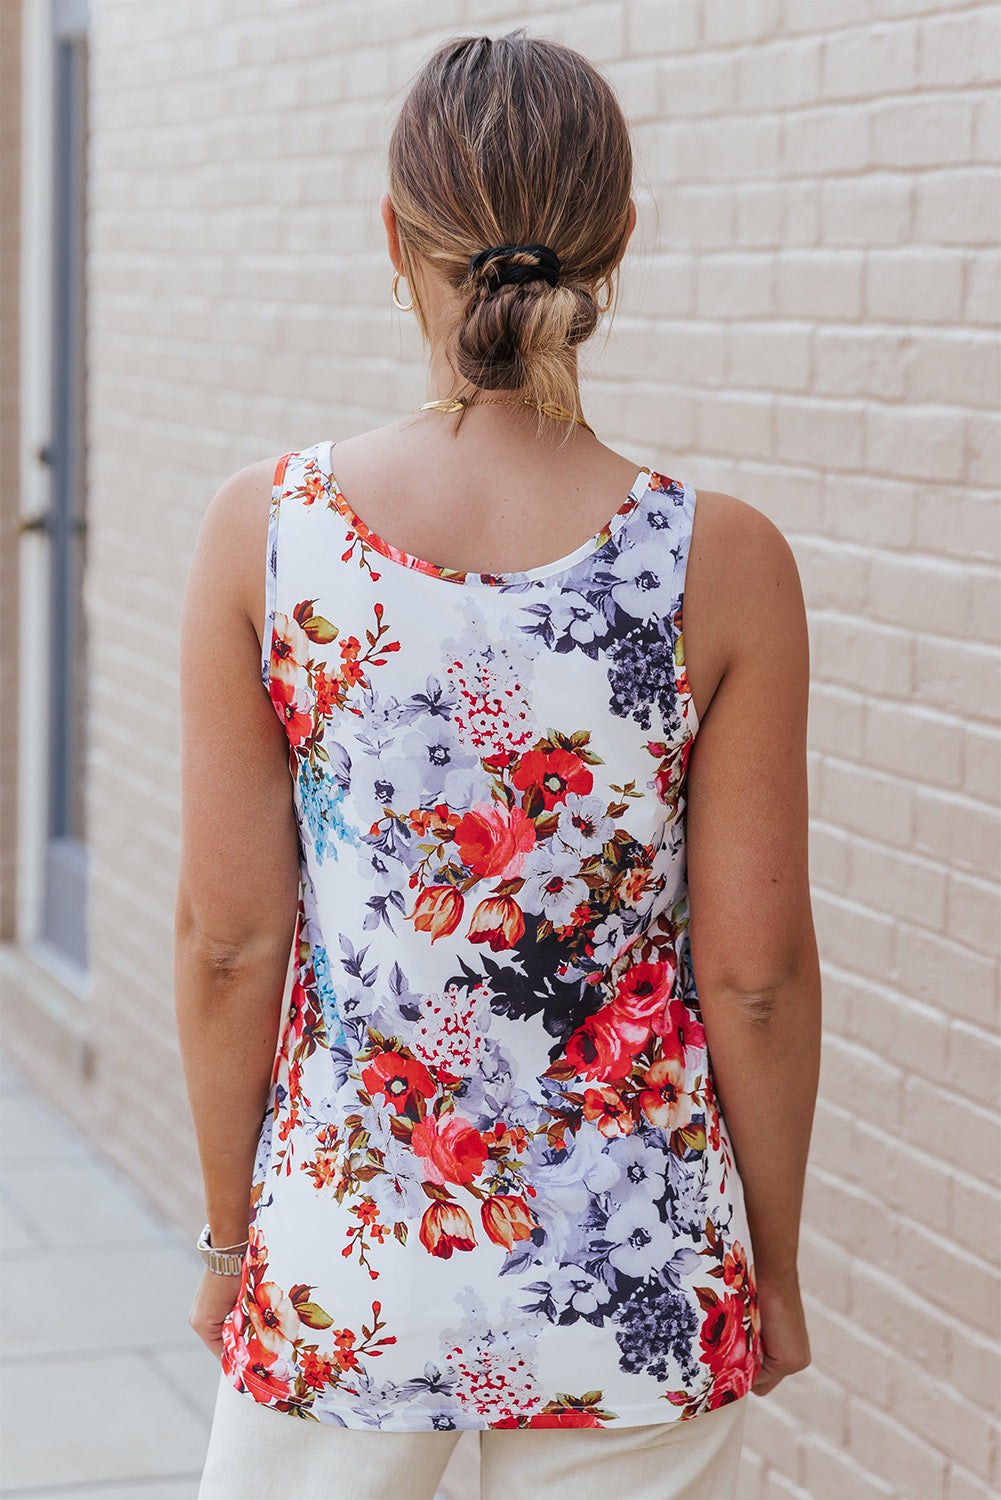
10, 175
809, 321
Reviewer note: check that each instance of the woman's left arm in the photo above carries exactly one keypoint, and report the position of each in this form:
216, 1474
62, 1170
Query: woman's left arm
237, 890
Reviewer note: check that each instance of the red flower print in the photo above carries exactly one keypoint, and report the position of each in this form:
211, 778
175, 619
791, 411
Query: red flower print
292, 707
664, 1101
731, 1359
599, 1048
554, 772
453, 1151
493, 840
345, 1356
497, 921
446, 1227
247, 1357
274, 1318
680, 1030
506, 1218
400, 1080
606, 1109
438, 910
564, 1419
735, 1266
317, 1369
640, 1001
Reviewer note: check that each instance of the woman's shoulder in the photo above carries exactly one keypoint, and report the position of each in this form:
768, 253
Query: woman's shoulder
742, 585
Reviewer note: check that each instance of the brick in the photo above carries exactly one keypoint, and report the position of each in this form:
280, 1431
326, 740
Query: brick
916, 1036
833, 433
973, 912
887, 1449
942, 971
886, 880
918, 743
819, 1403
974, 1366
929, 278
851, 359
871, 510
985, 605
983, 295
922, 132
923, 443
963, 1286
864, 1083
700, 85
983, 449
775, 354
830, 1472
881, 807
852, 651
964, 833
841, 1347
950, 1127
931, 1407
957, 207
962, 362
876, 60
909, 1179
734, 285
776, 1434
663, 29
777, 1487
868, 210
959, 49
781, 76
897, 1321
987, 128
982, 762
819, 284
833, 578
726, 420
974, 1209
725, 25
900, 587
962, 1485
845, 927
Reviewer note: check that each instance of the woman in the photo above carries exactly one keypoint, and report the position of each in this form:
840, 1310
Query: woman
530, 1156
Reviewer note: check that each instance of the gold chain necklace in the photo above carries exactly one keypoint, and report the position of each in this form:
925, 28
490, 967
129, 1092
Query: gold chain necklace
548, 408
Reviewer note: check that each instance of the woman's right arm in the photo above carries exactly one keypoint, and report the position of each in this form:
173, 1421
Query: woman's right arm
753, 945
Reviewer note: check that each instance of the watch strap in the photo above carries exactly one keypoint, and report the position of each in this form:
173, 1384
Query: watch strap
226, 1262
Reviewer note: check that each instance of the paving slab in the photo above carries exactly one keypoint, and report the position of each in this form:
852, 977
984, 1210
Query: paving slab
98, 1299
78, 1203
70, 1422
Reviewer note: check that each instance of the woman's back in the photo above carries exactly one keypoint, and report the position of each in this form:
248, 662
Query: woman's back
493, 1109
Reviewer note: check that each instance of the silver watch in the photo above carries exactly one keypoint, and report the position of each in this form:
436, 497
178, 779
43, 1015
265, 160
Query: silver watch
228, 1262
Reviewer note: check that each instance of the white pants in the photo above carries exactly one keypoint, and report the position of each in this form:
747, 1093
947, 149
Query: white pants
256, 1453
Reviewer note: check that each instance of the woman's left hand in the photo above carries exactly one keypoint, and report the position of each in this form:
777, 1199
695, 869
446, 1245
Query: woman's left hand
214, 1301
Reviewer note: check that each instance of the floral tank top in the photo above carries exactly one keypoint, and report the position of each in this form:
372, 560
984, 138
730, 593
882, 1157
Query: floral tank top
494, 1187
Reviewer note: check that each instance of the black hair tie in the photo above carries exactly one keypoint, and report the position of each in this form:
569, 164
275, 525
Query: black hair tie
547, 268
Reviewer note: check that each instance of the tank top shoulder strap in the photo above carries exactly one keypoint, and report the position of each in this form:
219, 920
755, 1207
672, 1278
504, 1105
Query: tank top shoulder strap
299, 486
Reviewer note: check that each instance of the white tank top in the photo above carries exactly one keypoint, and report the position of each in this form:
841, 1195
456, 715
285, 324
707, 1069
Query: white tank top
494, 1187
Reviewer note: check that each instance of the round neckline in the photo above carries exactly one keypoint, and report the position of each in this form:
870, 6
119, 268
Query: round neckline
640, 487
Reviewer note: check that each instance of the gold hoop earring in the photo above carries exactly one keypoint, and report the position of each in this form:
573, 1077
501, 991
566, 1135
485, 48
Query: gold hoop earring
603, 308
403, 306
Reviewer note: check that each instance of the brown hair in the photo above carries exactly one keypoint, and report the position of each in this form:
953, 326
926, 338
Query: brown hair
510, 141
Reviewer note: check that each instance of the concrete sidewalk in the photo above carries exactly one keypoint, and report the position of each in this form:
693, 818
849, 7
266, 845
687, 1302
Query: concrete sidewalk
105, 1393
